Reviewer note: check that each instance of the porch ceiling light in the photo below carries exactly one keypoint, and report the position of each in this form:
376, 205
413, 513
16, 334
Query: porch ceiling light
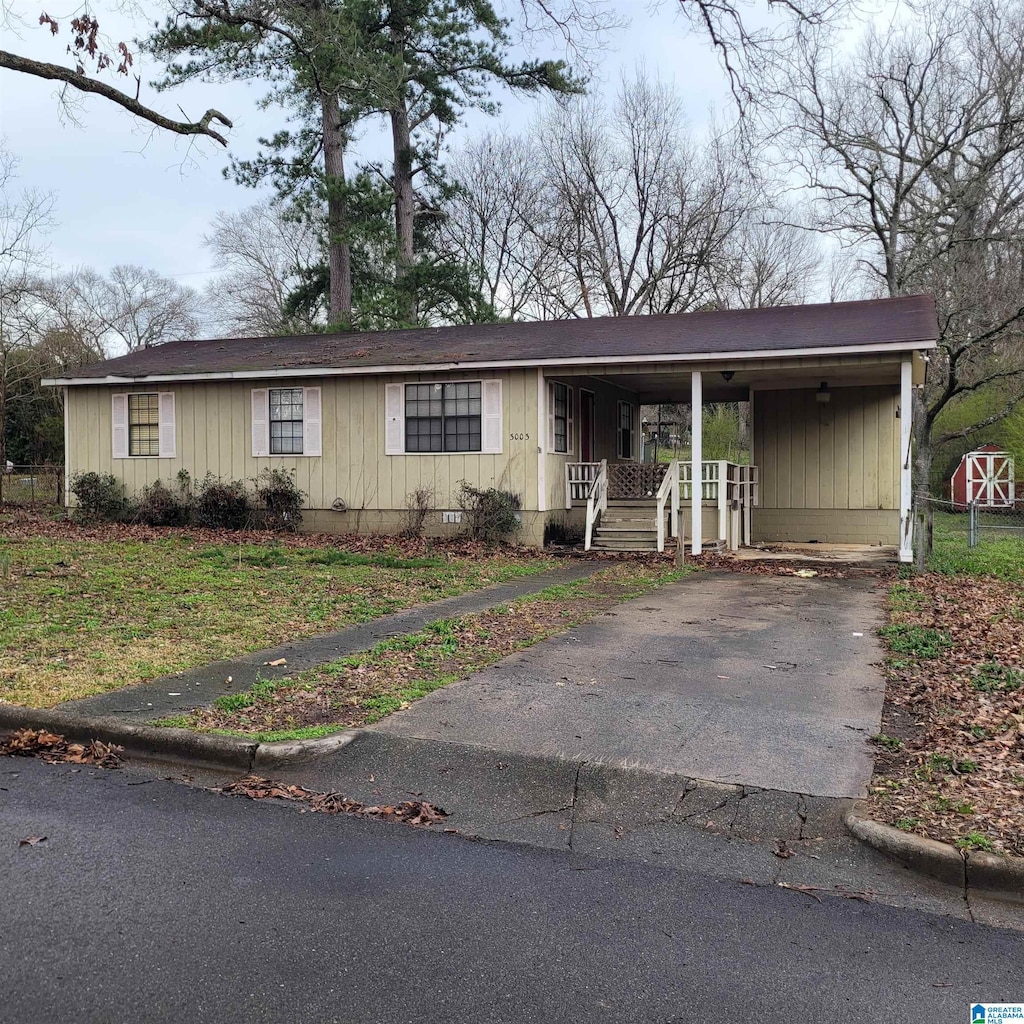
727, 375
823, 394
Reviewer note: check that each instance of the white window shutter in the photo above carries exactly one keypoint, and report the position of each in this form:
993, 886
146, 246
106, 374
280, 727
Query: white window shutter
570, 403
260, 424
167, 435
119, 426
551, 416
311, 420
492, 429
394, 419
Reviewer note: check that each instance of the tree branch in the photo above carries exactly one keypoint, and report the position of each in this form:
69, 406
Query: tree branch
54, 72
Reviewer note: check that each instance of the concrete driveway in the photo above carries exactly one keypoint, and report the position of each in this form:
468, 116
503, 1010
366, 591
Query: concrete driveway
766, 681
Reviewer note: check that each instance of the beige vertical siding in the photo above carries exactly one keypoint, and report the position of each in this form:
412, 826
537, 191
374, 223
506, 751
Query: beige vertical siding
839, 455
213, 426
829, 472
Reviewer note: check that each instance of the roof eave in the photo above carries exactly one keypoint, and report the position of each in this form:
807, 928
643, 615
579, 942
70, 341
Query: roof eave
495, 364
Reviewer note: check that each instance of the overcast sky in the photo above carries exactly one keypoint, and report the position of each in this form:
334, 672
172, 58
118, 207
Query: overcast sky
127, 193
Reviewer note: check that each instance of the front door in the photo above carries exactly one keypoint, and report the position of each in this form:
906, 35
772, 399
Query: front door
586, 426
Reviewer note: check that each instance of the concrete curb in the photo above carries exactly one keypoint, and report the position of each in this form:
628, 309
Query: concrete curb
968, 869
174, 744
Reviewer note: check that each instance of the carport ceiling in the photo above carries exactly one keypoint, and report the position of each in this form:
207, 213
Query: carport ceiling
653, 388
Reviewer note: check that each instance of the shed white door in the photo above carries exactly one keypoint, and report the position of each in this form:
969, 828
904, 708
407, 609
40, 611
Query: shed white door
990, 479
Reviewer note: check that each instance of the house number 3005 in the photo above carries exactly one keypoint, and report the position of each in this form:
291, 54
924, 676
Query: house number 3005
519, 437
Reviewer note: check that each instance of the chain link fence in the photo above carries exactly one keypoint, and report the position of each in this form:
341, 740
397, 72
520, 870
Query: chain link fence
947, 533
31, 485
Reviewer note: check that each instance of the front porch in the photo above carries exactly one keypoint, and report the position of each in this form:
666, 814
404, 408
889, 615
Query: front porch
642, 505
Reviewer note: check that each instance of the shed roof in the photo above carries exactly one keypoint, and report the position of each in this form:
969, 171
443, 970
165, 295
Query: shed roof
872, 325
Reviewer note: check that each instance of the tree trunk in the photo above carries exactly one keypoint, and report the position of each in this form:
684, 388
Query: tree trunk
405, 212
339, 254
921, 480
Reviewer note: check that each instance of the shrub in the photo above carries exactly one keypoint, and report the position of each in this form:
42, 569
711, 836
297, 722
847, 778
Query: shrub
418, 505
100, 497
278, 500
222, 506
491, 514
159, 506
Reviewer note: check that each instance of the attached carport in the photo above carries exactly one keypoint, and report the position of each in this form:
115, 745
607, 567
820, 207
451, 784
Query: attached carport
831, 424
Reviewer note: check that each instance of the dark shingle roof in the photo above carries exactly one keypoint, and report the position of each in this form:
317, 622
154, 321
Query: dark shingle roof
909, 321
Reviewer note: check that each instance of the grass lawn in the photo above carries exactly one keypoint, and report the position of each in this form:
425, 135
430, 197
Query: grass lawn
365, 687
950, 757
997, 554
84, 611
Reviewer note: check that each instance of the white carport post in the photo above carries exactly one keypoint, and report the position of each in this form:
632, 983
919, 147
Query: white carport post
696, 460
906, 434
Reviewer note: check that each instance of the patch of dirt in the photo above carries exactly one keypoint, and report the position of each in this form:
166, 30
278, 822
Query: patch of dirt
950, 761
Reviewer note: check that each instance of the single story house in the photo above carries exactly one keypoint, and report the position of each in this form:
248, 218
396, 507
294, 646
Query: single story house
548, 411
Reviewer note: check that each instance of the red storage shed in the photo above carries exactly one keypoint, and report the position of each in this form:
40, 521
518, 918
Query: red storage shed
985, 476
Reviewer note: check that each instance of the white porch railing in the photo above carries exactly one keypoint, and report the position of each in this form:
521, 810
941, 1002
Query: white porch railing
668, 492
597, 500
731, 487
579, 477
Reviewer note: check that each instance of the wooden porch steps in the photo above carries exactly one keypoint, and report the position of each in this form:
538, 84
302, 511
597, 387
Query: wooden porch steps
629, 525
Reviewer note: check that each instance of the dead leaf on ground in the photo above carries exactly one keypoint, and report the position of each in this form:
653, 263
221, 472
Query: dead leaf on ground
411, 812
32, 840
54, 749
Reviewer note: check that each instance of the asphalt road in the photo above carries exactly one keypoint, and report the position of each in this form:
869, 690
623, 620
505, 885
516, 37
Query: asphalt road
151, 901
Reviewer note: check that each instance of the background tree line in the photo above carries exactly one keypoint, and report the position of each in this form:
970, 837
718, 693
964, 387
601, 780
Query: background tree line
888, 167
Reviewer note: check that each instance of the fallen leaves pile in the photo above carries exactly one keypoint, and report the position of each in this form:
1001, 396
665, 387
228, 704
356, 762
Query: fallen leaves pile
950, 758
54, 749
790, 567
411, 812
29, 524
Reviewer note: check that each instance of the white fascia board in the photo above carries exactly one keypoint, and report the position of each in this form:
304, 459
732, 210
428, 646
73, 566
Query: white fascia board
501, 364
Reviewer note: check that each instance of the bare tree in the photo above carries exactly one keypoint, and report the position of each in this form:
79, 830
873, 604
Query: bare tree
914, 148
636, 213
490, 223
766, 261
132, 308
262, 253
25, 216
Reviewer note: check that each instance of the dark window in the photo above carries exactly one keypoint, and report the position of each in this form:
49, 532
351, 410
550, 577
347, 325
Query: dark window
560, 408
443, 417
286, 421
625, 430
144, 425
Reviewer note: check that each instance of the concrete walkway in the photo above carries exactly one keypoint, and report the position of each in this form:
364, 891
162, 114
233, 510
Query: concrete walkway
765, 681
179, 693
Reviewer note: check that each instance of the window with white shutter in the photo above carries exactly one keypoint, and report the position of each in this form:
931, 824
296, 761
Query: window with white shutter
443, 417
287, 421
142, 425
